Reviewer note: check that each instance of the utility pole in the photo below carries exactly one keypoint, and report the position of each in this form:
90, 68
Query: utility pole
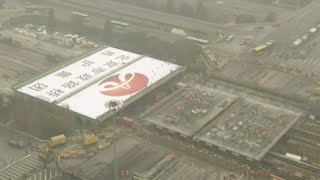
114, 105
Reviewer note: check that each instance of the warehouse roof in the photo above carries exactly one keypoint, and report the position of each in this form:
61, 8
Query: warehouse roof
87, 84
119, 86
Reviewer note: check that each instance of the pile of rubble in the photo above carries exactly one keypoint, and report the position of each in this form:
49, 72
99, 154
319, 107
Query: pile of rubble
249, 125
195, 104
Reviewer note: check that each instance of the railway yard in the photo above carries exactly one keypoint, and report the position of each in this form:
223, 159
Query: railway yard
254, 117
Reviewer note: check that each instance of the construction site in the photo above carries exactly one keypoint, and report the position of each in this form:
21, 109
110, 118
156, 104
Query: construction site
188, 110
248, 128
166, 90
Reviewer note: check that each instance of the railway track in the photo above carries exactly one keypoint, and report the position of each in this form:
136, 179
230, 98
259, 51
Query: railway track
290, 172
293, 169
303, 142
314, 170
304, 136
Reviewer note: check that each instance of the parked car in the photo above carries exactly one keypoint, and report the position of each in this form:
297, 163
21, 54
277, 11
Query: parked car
313, 30
305, 37
297, 43
230, 38
270, 42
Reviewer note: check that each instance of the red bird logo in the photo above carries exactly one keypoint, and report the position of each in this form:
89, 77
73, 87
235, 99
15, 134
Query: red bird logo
123, 84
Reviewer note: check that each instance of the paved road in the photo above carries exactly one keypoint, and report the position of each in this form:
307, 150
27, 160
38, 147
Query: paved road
150, 15
45, 174
296, 26
23, 166
98, 18
244, 7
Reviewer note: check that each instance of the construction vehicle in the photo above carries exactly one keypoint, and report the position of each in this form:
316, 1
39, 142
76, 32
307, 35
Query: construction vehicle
47, 155
56, 141
90, 139
72, 154
209, 59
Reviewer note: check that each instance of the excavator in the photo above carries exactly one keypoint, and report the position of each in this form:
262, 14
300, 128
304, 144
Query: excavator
209, 59
89, 143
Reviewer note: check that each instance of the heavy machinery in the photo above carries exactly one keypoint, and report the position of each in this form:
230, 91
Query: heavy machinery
89, 142
90, 139
72, 154
47, 155
56, 141
209, 59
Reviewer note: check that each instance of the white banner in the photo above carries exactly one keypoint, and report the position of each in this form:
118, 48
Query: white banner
75, 76
119, 86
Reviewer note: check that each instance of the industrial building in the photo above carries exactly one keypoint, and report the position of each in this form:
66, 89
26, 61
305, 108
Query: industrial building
85, 85
246, 108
